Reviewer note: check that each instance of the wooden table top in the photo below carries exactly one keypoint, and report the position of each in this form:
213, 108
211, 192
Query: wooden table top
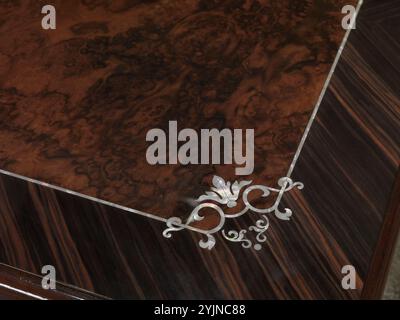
76, 189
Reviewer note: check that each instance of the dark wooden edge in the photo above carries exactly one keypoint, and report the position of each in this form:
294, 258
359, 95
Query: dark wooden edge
21, 285
375, 282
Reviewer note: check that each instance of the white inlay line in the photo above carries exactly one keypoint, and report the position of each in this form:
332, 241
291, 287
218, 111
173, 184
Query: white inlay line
289, 173
324, 89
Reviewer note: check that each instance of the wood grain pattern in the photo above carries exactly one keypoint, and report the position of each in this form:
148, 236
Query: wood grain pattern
384, 251
20, 285
352, 156
349, 166
76, 103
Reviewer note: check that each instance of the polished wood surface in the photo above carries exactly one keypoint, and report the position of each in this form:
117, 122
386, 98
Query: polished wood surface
352, 157
384, 250
78, 101
343, 216
20, 285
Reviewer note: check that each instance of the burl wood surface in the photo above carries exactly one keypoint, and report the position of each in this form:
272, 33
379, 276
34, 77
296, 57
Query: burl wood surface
76, 103
347, 214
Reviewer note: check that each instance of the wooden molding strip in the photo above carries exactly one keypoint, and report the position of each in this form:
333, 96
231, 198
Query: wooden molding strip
381, 260
22, 285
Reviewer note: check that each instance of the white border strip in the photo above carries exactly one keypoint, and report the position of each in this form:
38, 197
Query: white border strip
81, 195
154, 217
324, 89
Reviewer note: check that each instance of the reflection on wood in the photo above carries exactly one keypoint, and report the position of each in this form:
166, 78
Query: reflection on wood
349, 166
76, 103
